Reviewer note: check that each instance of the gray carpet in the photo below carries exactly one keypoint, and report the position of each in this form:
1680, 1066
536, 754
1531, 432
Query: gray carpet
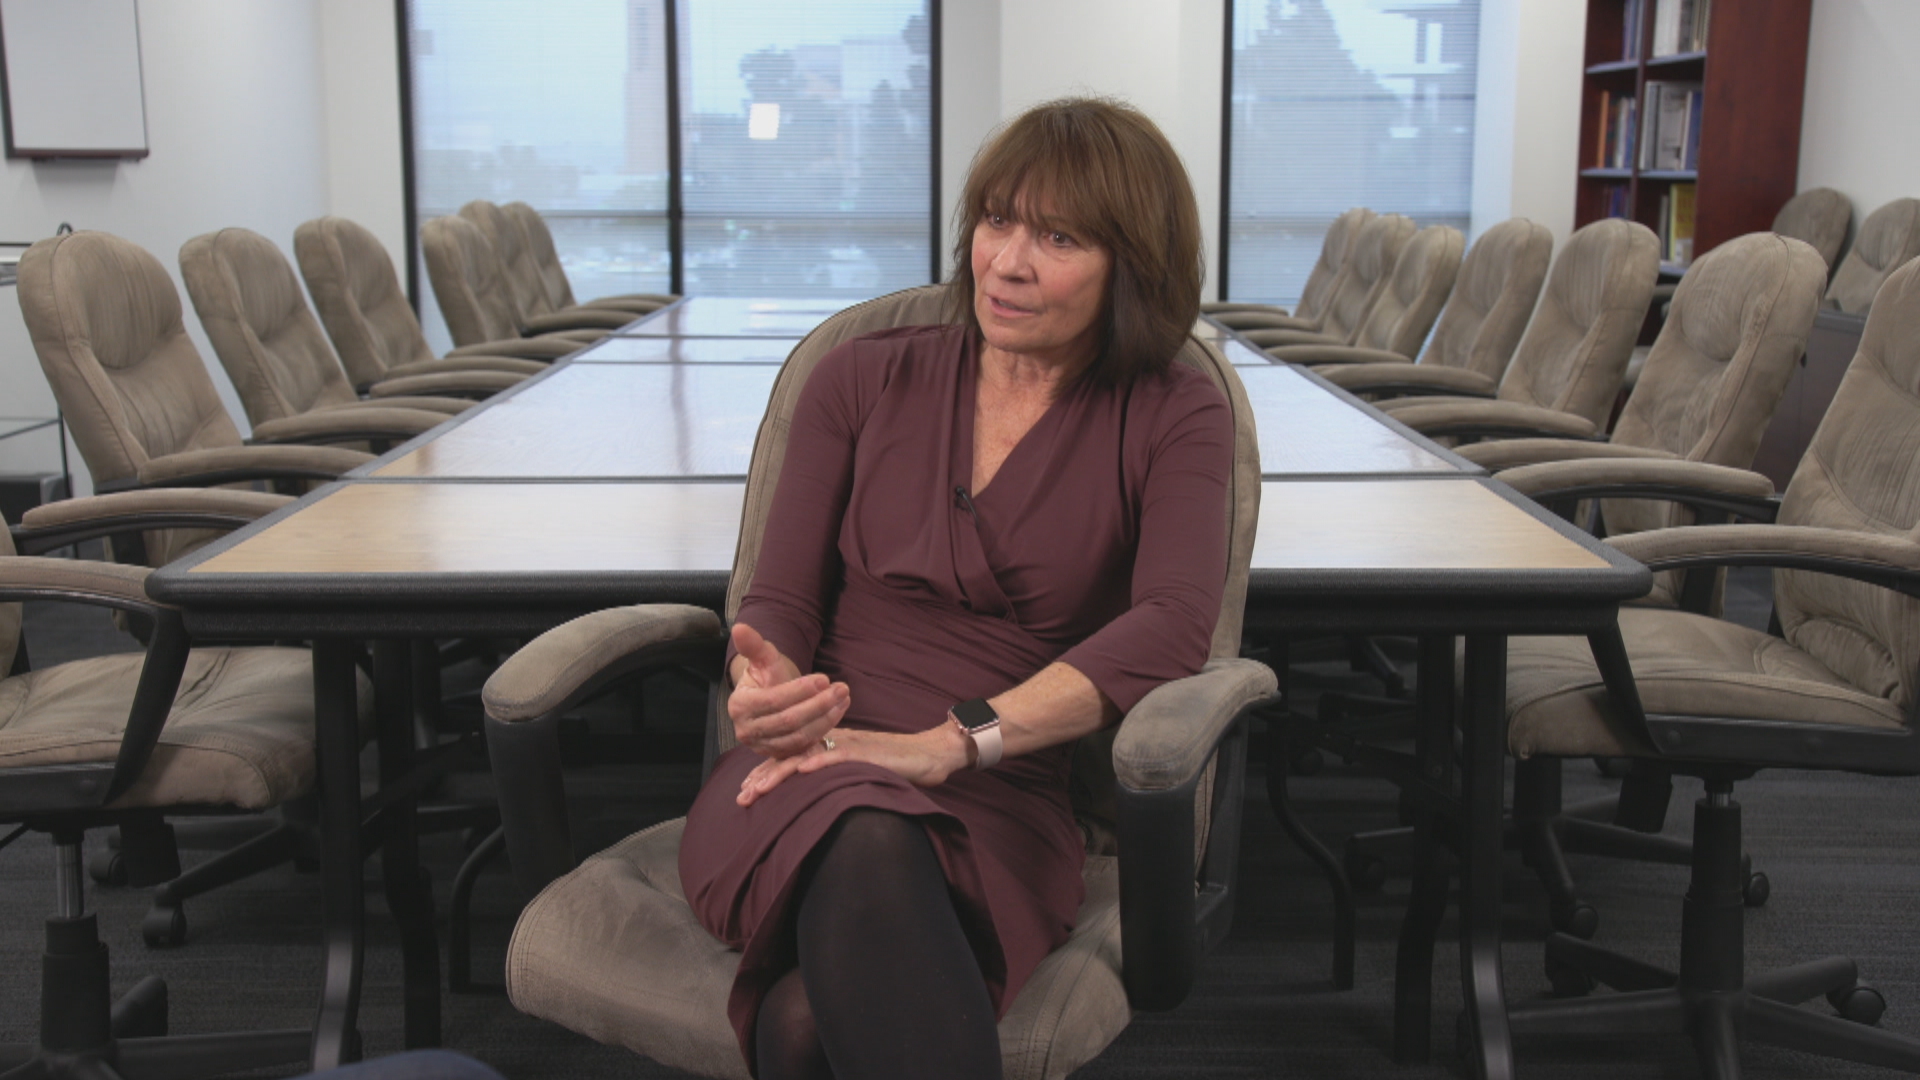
1840, 850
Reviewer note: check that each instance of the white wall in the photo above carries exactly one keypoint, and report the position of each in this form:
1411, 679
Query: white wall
235, 123
1860, 134
1527, 111
360, 75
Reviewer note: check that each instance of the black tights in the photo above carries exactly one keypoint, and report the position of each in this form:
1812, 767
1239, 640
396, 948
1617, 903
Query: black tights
887, 985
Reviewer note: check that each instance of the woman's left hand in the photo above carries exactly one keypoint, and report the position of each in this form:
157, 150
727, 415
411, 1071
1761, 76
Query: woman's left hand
925, 759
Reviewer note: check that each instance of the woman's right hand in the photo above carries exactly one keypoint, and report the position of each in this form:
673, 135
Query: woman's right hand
777, 711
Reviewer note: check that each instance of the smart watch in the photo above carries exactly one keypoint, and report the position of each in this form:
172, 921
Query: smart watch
981, 725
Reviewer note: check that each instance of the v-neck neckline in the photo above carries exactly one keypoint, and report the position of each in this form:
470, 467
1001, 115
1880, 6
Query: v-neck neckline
970, 413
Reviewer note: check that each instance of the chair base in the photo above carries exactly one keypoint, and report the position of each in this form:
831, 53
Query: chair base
1709, 999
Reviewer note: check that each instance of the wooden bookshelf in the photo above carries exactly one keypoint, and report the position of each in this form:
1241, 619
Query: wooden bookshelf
1752, 75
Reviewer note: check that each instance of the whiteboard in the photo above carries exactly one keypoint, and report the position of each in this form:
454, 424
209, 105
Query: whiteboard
72, 79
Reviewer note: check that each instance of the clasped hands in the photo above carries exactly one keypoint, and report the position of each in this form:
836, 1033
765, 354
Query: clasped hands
782, 715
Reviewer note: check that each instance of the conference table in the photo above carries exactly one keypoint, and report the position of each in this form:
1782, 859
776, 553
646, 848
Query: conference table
617, 476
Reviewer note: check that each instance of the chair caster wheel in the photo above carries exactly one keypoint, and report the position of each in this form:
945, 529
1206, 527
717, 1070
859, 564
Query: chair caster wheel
1365, 873
1859, 1003
108, 867
1578, 919
1568, 981
164, 926
1308, 762
1756, 890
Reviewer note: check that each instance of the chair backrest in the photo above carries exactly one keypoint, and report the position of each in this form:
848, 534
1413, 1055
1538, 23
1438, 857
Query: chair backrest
545, 256
1888, 240
1334, 252
106, 323
361, 303
1493, 295
1422, 278
1574, 354
926, 305
509, 240
1859, 474
468, 281
1734, 336
265, 335
1369, 266
1818, 216
10, 616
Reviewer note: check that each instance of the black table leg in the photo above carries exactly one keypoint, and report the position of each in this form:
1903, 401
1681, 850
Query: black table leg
408, 889
336, 1040
1483, 798
1419, 930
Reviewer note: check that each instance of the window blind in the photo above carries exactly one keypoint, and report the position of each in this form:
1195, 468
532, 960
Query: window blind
1341, 103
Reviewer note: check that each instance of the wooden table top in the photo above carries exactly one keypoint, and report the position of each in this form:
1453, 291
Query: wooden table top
661, 350
1307, 429
725, 316
1406, 525
606, 421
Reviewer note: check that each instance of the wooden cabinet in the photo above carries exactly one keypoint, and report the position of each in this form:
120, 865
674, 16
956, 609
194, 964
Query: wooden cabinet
1752, 73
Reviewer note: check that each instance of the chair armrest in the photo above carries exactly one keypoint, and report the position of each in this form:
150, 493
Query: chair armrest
358, 422
1639, 478
513, 365
546, 347
70, 521
1491, 419
1405, 377
1276, 319
657, 299
1511, 453
1875, 558
464, 384
632, 306
1332, 355
37, 577
526, 695
1174, 904
578, 319
231, 464
1273, 336
445, 406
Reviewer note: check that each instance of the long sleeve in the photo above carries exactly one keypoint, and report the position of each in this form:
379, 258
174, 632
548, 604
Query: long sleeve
1180, 562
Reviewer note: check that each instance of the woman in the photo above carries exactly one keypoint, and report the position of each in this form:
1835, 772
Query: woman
988, 539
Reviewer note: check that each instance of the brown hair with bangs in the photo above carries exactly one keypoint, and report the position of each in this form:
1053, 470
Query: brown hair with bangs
1105, 173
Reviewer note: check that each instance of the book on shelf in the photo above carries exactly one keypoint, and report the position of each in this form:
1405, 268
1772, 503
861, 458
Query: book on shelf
1631, 14
1668, 126
1680, 26
1677, 224
1617, 132
1617, 201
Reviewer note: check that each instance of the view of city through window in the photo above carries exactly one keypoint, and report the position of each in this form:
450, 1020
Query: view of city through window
1342, 103
805, 137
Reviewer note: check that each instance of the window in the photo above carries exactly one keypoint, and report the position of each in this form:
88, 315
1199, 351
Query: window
1334, 104
804, 134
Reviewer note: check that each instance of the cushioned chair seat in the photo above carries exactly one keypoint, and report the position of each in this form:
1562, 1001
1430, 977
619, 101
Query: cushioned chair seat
572, 961
1684, 665
240, 734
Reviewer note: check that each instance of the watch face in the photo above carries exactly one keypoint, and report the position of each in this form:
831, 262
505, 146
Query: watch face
974, 713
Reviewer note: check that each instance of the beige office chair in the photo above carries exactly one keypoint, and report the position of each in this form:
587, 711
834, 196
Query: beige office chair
1478, 330
1836, 688
376, 333
106, 324
524, 283
470, 284
1397, 323
554, 276
609, 947
1335, 248
120, 740
1369, 269
1567, 370
288, 379
1820, 217
1888, 240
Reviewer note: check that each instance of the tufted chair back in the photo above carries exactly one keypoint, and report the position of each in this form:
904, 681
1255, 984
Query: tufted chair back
1422, 278
262, 330
1369, 268
1820, 217
1736, 331
1493, 296
1334, 253
1858, 475
546, 258
1574, 354
10, 615
1888, 240
509, 240
358, 292
468, 281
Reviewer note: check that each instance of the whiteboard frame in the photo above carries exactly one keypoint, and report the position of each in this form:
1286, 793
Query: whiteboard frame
105, 55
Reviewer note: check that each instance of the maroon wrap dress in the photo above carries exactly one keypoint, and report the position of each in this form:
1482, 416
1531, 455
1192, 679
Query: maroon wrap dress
1100, 542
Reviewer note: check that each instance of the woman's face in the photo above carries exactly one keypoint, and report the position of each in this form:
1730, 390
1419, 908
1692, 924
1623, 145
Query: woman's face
1038, 291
